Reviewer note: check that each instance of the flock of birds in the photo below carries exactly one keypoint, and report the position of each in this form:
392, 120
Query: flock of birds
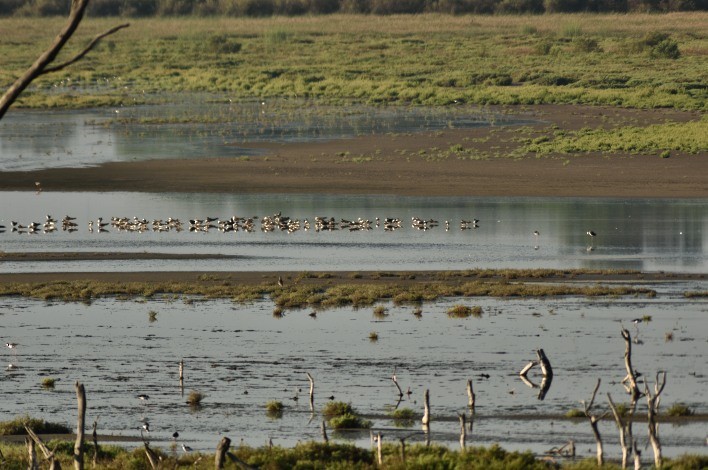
268, 223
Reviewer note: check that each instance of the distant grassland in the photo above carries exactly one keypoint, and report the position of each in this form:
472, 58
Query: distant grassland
634, 60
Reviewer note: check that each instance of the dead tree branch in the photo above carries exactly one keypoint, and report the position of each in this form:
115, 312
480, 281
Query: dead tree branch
395, 382
312, 391
631, 377
470, 396
426, 412
593, 423
86, 50
40, 65
221, 449
622, 426
653, 408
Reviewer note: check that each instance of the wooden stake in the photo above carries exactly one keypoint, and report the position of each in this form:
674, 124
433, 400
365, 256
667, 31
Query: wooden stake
426, 404
324, 432
379, 452
470, 396
79, 444
221, 449
463, 432
95, 443
181, 370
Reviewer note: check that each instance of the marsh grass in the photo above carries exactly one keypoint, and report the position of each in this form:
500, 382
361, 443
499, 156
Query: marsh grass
274, 409
337, 408
373, 336
380, 312
679, 409
575, 413
195, 398
403, 417
48, 382
397, 59
463, 311
17, 426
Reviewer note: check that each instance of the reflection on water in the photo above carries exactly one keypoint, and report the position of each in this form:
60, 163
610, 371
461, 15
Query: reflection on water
196, 129
649, 235
241, 357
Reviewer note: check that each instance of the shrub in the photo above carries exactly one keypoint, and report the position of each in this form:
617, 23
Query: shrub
48, 382
195, 398
575, 413
666, 49
373, 336
222, 44
583, 44
337, 408
17, 426
349, 421
274, 409
679, 409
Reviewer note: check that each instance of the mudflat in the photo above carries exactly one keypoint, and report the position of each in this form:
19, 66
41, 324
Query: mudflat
407, 164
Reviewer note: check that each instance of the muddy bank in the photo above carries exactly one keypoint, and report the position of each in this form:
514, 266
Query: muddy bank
406, 164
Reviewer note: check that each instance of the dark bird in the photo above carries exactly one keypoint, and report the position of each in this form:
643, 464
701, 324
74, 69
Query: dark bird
536, 233
146, 426
313, 314
331, 397
11, 345
144, 397
484, 376
637, 321
175, 435
186, 448
591, 233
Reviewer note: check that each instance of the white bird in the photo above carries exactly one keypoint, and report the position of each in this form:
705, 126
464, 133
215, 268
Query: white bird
186, 448
11, 345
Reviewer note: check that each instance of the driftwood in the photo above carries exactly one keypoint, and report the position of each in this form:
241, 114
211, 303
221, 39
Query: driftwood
81, 421
568, 449
546, 370
221, 449
593, 423
653, 408
395, 382
41, 64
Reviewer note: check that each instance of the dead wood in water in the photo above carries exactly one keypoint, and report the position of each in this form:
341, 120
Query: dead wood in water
395, 382
470, 396
593, 423
312, 392
324, 432
631, 377
426, 413
94, 436
625, 429
463, 432
221, 449
653, 408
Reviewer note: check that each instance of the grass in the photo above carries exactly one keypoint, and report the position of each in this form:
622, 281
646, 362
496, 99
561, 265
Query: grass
679, 409
274, 409
403, 417
483, 283
349, 421
373, 336
575, 413
337, 408
463, 311
17, 426
579, 58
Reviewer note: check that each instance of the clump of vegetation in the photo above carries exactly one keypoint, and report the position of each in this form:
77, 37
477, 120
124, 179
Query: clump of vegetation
278, 312
679, 409
418, 312
48, 382
373, 336
463, 311
152, 316
403, 417
349, 421
380, 312
337, 408
575, 413
274, 409
195, 398
17, 426
585, 44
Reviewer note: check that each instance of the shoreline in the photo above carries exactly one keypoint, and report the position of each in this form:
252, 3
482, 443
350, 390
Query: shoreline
420, 164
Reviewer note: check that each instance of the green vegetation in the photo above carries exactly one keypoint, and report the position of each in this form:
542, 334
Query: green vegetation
555, 58
274, 409
342, 416
373, 336
463, 311
575, 413
337, 408
679, 409
403, 417
48, 382
689, 137
17, 426
318, 295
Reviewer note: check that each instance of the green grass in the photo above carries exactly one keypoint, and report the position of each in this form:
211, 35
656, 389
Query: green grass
554, 58
679, 409
337, 408
17, 426
195, 398
48, 382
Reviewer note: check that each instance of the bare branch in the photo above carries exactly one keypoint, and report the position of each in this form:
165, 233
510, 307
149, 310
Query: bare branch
86, 50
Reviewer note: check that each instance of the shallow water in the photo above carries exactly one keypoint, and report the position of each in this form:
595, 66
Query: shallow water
199, 127
648, 235
241, 357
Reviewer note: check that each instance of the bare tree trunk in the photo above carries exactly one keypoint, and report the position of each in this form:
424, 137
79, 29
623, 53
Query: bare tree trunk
426, 404
79, 444
463, 432
32, 454
403, 449
622, 427
470, 396
395, 382
40, 66
653, 407
593, 424
379, 452
312, 391
49, 455
631, 374
637, 455
221, 450
94, 435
